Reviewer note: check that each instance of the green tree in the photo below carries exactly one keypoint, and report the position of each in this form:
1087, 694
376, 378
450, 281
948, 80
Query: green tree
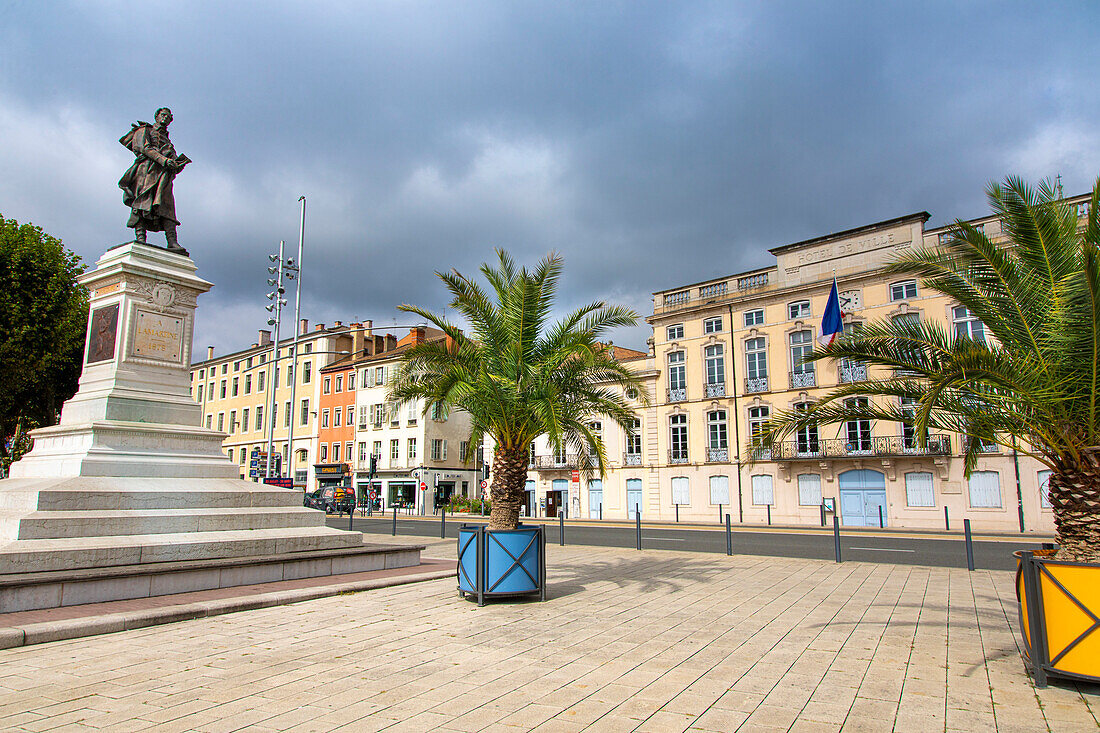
520, 376
1034, 384
43, 316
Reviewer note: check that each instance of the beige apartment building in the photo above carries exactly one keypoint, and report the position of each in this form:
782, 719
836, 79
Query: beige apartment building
234, 392
729, 353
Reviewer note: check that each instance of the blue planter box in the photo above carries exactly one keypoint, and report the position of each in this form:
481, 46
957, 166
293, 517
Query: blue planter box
496, 563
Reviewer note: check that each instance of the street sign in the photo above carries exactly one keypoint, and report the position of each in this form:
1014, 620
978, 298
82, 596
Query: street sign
575, 476
423, 486
286, 483
484, 484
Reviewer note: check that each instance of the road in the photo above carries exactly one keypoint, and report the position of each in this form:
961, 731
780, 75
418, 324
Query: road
892, 546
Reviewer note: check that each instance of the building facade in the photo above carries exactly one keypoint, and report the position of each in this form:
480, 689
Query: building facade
236, 390
730, 353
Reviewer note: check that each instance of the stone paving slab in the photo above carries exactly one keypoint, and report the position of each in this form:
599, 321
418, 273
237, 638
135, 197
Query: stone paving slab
627, 641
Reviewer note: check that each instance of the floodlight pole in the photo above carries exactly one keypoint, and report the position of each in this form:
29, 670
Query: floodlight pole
273, 383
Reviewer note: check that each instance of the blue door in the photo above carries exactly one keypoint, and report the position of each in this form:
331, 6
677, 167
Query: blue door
595, 498
862, 497
633, 497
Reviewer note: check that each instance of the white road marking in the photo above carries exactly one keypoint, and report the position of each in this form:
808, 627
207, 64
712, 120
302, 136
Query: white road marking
880, 549
663, 539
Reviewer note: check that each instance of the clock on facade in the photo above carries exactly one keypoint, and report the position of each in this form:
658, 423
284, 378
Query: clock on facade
850, 301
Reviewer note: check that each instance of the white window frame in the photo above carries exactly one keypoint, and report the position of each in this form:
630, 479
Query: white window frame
712, 325
674, 332
917, 493
681, 490
798, 309
984, 493
720, 490
1044, 488
714, 364
900, 290
809, 489
763, 490
754, 317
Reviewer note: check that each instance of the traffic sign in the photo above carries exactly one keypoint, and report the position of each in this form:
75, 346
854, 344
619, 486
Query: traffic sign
576, 476
423, 486
484, 484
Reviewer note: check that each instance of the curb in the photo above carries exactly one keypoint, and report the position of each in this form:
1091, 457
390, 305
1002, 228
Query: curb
46, 631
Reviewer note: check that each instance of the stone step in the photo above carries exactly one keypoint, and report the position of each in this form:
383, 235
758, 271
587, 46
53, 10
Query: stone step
35, 590
99, 523
40, 555
139, 493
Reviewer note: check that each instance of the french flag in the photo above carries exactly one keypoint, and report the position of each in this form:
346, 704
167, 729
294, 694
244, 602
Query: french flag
832, 322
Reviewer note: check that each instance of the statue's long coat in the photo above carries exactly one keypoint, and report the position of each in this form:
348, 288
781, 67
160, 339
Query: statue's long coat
147, 185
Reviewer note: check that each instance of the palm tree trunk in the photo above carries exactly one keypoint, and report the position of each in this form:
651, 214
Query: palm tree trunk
509, 479
1075, 497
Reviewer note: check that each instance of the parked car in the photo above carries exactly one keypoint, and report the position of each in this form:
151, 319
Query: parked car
331, 499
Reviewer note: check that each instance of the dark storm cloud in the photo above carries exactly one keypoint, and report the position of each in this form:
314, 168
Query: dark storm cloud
651, 144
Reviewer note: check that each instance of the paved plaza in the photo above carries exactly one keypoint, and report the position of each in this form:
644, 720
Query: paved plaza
627, 640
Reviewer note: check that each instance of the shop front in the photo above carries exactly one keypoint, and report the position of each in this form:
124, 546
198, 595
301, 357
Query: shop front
401, 493
331, 474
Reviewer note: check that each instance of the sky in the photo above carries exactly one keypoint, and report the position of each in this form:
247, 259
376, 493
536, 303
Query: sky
650, 144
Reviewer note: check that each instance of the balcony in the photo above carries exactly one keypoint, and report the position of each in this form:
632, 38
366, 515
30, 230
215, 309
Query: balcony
677, 456
852, 373
556, 463
718, 455
678, 394
716, 390
800, 380
754, 385
632, 459
712, 291
752, 282
888, 445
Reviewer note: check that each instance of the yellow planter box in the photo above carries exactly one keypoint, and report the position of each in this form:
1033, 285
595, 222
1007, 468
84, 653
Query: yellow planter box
1060, 617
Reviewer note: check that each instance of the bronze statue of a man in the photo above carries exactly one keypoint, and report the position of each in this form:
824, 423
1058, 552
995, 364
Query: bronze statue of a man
147, 185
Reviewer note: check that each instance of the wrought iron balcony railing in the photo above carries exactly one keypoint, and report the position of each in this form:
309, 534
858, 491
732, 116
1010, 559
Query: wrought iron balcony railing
550, 463
803, 379
718, 455
851, 373
632, 459
678, 456
677, 395
716, 390
884, 445
756, 384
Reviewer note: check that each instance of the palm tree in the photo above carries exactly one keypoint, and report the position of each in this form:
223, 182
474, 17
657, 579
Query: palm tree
519, 376
1034, 385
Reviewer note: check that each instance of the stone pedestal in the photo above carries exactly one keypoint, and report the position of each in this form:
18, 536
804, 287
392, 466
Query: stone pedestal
129, 478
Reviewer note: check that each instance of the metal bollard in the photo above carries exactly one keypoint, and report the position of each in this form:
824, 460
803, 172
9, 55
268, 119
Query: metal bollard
946, 519
638, 527
394, 520
822, 514
719, 514
601, 511
677, 513
881, 524
561, 528
836, 538
443, 523
769, 515
729, 537
969, 545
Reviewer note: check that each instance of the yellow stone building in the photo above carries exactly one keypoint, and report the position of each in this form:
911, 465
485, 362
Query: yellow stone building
234, 391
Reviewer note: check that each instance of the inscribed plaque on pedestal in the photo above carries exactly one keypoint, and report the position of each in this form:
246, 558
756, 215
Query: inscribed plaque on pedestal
158, 336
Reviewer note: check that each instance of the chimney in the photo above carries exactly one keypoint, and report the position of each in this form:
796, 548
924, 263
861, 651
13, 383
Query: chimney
356, 342
368, 328
209, 352
391, 342
319, 327
337, 324
303, 326
264, 338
